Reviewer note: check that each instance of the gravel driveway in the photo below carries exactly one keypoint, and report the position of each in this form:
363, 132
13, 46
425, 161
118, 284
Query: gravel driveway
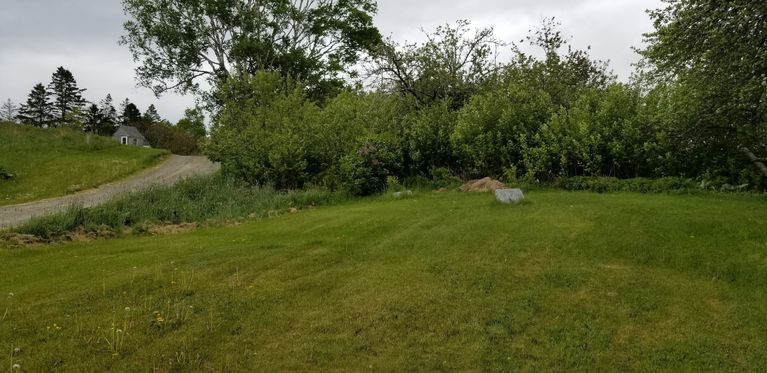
170, 171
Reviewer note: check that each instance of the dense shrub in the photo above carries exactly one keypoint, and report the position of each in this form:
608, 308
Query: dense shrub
426, 138
493, 127
176, 140
535, 119
365, 170
265, 132
269, 132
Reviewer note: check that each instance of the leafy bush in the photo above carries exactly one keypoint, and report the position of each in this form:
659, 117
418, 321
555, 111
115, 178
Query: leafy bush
426, 138
263, 134
365, 170
442, 177
493, 127
176, 140
269, 132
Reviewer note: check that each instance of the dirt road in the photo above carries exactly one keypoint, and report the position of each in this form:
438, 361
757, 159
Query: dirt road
169, 172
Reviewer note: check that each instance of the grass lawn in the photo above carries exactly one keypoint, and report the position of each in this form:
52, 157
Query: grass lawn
566, 281
50, 163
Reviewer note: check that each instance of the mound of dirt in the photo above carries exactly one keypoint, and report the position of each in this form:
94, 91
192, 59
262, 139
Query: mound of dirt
172, 228
16, 239
482, 186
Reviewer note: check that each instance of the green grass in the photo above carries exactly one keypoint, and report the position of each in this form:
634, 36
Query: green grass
50, 163
214, 199
565, 281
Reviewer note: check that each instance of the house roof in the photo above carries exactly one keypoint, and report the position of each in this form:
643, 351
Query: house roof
130, 131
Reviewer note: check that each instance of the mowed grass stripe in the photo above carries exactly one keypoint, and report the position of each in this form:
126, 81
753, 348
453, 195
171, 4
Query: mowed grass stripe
433, 282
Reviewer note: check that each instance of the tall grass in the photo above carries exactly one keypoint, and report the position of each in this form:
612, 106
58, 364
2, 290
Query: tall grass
205, 199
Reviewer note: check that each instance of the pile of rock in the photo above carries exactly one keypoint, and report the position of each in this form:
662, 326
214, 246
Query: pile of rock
502, 193
482, 186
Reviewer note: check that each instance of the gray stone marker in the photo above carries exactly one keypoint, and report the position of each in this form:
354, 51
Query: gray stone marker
509, 195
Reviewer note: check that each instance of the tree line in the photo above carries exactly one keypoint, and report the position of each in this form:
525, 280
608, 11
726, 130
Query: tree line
61, 104
290, 107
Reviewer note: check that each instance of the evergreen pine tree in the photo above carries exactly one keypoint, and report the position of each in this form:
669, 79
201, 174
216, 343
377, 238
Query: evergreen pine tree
92, 119
130, 115
67, 98
108, 116
37, 110
151, 115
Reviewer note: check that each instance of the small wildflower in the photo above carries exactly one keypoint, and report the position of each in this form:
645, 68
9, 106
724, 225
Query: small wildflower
11, 294
127, 309
16, 367
16, 350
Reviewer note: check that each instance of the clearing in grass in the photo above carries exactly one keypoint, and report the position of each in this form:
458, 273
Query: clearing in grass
567, 280
53, 162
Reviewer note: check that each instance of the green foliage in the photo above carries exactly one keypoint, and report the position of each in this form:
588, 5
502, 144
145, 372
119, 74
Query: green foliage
67, 97
163, 135
443, 177
426, 138
263, 134
269, 132
537, 119
37, 110
180, 41
130, 114
193, 123
365, 170
493, 127
446, 69
603, 133
714, 53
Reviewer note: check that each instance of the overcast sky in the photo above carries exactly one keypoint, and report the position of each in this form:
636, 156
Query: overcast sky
36, 36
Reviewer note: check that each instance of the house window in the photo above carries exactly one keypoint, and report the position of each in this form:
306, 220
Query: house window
135, 141
124, 140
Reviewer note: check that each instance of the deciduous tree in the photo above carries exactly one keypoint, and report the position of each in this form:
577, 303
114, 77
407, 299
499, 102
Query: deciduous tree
193, 123
717, 51
179, 41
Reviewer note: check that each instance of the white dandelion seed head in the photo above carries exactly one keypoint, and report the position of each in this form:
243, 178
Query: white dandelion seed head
16, 366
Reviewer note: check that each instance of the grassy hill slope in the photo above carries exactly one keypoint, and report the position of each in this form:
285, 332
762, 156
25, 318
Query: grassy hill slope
566, 281
50, 163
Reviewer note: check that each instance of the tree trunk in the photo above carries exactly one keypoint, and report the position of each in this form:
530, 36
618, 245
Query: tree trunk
757, 161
